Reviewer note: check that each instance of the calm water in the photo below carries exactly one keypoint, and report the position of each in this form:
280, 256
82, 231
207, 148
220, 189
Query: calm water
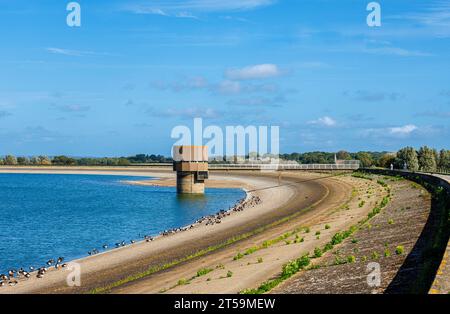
46, 216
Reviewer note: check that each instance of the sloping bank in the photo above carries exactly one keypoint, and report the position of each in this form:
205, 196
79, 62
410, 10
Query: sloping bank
433, 243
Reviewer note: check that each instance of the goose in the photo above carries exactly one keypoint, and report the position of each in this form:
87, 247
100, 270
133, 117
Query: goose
31, 268
13, 282
105, 246
132, 241
60, 259
50, 262
2, 283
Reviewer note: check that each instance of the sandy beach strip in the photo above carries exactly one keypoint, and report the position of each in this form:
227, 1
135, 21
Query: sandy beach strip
114, 265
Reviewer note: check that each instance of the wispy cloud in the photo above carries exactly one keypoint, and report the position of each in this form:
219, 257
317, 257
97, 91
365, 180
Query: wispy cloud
185, 84
74, 108
174, 7
435, 19
396, 51
259, 71
373, 96
403, 130
186, 113
394, 132
75, 53
434, 114
259, 102
224, 87
324, 121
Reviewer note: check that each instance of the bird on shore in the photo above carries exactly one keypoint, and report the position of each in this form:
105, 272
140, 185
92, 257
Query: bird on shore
50, 262
41, 272
13, 282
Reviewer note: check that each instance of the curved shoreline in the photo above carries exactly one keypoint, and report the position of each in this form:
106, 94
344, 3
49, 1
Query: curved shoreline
137, 257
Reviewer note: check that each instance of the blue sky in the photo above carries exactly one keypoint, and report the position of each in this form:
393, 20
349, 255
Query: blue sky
135, 69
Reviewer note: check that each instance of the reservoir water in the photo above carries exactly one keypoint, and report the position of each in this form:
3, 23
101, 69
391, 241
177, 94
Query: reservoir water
47, 216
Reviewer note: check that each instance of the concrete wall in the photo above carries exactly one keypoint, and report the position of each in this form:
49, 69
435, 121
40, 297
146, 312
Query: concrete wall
187, 184
441, 282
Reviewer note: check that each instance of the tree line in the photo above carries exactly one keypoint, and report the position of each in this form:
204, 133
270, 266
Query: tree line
62, 160
425, 159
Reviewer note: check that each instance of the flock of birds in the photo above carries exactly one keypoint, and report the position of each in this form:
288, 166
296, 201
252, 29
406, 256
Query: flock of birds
14, 275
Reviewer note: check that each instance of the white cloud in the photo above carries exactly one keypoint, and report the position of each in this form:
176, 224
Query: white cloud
177, 6
146, 10
188, 113
259, 71
396, 51
435, 18
186, 15
74, 53
229, 87
324, 121
403, 130
66, 52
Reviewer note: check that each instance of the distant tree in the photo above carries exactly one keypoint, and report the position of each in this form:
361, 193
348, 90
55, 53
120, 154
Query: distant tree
386, 160
444, 159
40, 161
343, 155
407, 156
427, 159
23, 161
63, 161
10, 160
123, 162
365, 158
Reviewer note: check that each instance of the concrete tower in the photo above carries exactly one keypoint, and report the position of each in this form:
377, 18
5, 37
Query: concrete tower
191, 165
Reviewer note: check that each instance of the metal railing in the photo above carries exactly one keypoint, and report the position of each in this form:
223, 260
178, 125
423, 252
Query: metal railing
263, 167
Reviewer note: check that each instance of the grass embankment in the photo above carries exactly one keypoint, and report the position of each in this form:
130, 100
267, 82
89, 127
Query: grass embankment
293, 267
